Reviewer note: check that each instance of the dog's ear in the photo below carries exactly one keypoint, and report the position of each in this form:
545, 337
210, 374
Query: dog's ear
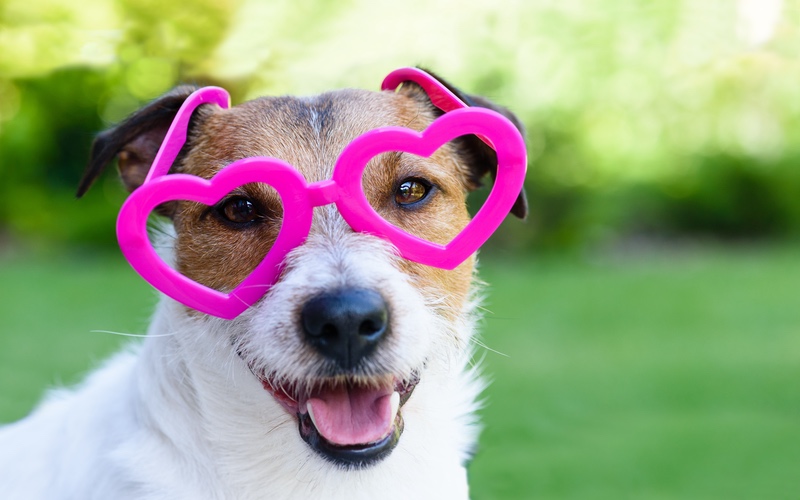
480, 158
134, 141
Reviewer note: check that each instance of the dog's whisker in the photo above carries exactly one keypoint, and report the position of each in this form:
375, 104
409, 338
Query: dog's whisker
136, 335
475, 364
484, 346
484, 309
285, 392
281, 423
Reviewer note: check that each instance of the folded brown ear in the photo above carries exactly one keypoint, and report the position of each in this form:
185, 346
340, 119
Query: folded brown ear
480, 158
134, 141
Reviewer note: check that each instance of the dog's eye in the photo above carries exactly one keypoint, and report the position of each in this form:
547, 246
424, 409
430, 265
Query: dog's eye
411, 191
238, 210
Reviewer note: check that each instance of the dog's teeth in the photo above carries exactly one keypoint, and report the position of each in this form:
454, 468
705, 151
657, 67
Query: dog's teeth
395, 402
311, 414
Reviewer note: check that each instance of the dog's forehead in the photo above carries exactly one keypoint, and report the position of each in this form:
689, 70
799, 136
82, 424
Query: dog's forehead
307, 132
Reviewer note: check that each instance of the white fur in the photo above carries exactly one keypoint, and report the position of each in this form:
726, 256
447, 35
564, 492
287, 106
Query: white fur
181, 416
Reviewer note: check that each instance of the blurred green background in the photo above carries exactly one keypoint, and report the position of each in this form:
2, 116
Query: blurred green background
644, 315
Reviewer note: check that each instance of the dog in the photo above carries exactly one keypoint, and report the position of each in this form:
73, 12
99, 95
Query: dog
351, 378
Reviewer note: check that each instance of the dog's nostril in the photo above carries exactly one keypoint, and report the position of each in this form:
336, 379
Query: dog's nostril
369, 328
329, 332
346, 324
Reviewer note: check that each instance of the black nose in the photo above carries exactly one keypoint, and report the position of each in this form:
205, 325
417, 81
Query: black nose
345, 325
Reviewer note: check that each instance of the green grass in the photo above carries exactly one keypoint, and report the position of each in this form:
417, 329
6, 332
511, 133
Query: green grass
50, 314
652, 376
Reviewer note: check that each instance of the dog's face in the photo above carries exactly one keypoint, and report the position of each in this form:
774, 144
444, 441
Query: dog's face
343, 338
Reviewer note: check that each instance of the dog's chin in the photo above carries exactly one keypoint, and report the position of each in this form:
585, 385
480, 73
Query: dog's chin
351, 421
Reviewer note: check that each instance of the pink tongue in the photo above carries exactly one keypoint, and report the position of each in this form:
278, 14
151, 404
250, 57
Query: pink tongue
348, 415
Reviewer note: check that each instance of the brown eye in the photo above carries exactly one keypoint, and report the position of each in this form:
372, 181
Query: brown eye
411, 191
238, 210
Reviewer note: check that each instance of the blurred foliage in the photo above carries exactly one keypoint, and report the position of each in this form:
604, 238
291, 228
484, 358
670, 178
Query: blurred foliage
674, 118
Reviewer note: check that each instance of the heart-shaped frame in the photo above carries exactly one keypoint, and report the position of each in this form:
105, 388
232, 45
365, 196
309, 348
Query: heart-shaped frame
362, 217
138, 249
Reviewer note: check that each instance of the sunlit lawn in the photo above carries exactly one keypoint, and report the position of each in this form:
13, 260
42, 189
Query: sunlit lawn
668, 375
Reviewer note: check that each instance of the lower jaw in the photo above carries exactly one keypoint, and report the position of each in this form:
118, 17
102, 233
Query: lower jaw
350, 456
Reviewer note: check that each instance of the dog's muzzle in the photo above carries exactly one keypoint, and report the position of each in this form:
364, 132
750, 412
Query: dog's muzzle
349, 417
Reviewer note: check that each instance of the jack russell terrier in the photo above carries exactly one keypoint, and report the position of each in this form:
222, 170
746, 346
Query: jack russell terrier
316, 331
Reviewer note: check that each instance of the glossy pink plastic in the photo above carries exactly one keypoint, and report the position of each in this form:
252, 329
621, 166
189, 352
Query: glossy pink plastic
299, 197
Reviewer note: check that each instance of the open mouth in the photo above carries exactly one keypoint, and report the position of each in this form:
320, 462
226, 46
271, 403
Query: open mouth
353, 421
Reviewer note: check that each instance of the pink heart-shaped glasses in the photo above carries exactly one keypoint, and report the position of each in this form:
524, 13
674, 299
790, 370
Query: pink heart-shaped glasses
299, 197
